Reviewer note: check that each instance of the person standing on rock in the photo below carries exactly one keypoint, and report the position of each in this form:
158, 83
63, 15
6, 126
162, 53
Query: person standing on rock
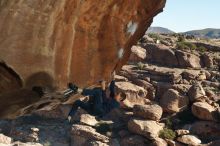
98, 104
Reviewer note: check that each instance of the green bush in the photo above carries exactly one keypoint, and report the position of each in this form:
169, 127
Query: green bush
154, 36
168, 123
185, 46
167, 133
202, 49
140, 65
181, 38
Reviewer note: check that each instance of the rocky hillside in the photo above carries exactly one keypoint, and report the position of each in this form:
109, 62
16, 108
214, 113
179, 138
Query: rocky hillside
172, 85
159, 30
205, 33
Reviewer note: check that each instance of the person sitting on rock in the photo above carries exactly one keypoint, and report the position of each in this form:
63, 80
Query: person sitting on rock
98, 104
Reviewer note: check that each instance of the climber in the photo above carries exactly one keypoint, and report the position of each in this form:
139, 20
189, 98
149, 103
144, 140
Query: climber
98, 104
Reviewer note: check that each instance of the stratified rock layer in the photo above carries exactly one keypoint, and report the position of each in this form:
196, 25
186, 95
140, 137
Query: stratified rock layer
49, 43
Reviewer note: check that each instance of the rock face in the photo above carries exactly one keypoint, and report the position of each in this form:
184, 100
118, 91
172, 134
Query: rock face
203, 110
137, 54
173, 102
49, 43
150, 112
195, 92
188, 60
189, 139
5, 139
134, 94
149, 129
161, 54
83, 134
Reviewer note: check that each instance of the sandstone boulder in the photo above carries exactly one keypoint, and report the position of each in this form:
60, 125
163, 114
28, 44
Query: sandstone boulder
213, 143
161, 54
137, 54
207, 130
150, 112
81, 134
203, 111
71, 41
189, 140
95, 143
135, 94
5, 139
174, 143
207, 60
159, 142
188, 60
161, 88
190, 74
18, 143
88, 119
181, 132
196, 92
134, 140
120, 78
147, 86
173, 102
147, 128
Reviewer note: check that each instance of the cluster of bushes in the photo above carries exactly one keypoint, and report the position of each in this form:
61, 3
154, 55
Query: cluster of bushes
167, 132
183, 45
140, 65
154, 36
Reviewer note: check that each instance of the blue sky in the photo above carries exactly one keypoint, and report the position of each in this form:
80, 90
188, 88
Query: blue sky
185, 15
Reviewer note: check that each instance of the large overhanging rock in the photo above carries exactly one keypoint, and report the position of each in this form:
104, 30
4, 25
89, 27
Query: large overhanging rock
53, 42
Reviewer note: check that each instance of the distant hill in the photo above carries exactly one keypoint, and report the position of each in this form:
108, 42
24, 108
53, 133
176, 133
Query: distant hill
160, 30
205, 33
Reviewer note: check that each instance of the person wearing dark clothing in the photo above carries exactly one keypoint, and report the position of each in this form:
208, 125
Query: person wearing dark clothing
99, 104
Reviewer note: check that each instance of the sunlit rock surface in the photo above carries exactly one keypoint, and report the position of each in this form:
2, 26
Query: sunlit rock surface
50, 43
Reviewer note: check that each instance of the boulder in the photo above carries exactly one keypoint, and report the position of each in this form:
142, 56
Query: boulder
51, 43
149, 112
181, 132
203, 111
120, 78
88, 120
134, 94
147, 86
161, 89
68, 33
159, 142
187, 60
191, 74
196, 92
5, 139
207, 130
201, 77
213, 143
174, 143
147, 128
81, 134
134, 140
207, 60
161, 55
189, 140
95, 143
18, 143
173, 102
138, 54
